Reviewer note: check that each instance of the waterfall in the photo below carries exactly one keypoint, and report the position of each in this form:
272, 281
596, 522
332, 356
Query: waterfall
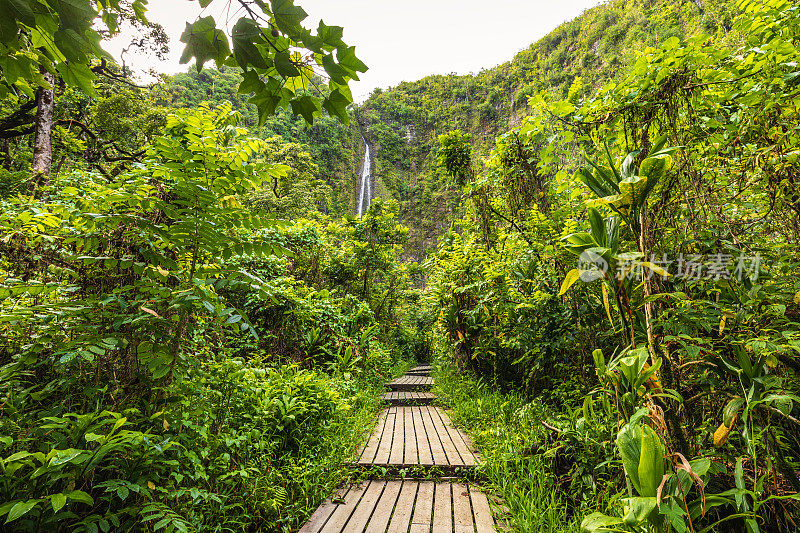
365, 198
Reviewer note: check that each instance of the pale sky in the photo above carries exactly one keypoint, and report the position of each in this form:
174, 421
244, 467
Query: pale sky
398, 40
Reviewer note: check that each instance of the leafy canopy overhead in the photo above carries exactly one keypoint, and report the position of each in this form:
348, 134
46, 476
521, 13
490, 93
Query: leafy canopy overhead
279, 56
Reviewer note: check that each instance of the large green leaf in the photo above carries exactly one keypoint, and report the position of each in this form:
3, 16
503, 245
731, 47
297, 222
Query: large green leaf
336, 104
205, 42
244, 36
651, 462
598, 227
629, 444
58, 501
331, 36
638, 509
598, 522
20, 509
348, 60
20, 10
305, 106
285, 66
288, 18
731, 410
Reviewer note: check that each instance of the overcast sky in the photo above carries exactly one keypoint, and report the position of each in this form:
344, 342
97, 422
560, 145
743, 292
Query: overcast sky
399, 40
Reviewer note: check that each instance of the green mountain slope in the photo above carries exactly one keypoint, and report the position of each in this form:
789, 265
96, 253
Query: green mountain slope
404, 122
334, 147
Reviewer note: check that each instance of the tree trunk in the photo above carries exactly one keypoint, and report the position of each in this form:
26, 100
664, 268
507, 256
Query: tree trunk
648, 306
7, 154
42, 147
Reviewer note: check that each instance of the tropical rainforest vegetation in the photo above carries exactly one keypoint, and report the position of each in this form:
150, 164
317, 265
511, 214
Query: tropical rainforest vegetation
597, 244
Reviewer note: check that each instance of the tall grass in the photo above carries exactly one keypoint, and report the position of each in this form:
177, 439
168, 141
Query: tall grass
508, 433
322, 468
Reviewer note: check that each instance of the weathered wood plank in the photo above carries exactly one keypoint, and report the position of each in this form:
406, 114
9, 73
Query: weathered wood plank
398, 442
459, 440
484, 523
408, 397
363, 511
410, 455
423, 444
462, 511
383, 511
453, 457
369, 450
417, 435
379, 506
437, 450
342, 513
443, 509
323, 512
406, 383
405, 505
423, 507
385, 445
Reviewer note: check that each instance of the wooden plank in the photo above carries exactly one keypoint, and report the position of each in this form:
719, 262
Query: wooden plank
385, 445
410, 456
425, 455
453, 458
371, 447
423, 507
443, 509
342, 513
398, 441
323, 512
408, 387
484, 523
412, 381
457, 436
363, 510
410, 396
462, 512
439, 457
402, 511
383, 511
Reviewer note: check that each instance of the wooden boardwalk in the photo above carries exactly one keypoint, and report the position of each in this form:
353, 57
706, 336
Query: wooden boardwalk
408, 397
417, 435
407, 506
411, 383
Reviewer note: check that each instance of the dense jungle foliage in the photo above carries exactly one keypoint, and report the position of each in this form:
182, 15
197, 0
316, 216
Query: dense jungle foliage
572, 61
196, 329
192, 340
620, 295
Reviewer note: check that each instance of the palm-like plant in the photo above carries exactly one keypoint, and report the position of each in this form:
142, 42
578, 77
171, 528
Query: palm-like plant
625, 192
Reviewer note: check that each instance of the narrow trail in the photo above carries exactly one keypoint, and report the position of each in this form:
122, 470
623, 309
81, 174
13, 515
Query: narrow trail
410, 433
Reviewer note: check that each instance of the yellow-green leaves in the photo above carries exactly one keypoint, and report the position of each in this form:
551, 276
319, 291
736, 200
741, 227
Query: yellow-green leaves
569, 280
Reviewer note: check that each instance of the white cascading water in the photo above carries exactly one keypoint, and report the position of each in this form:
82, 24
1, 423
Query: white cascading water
365, 198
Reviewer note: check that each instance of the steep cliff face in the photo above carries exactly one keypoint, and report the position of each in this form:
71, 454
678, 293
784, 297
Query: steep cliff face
575, 58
